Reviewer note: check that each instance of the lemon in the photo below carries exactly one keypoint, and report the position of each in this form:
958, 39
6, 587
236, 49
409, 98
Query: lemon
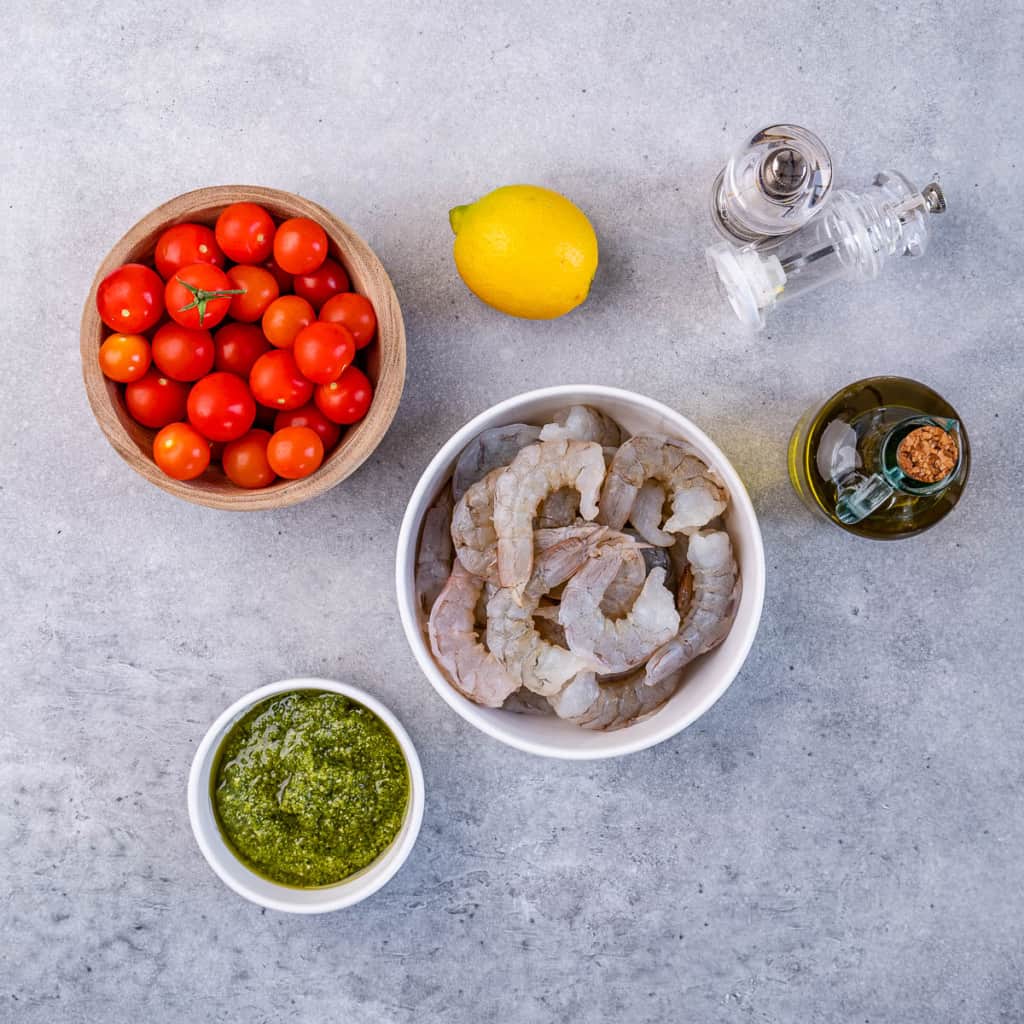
525, 250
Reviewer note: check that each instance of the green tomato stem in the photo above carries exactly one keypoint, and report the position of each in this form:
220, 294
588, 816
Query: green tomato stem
200, 297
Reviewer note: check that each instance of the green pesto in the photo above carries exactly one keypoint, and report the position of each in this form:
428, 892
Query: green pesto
309, 787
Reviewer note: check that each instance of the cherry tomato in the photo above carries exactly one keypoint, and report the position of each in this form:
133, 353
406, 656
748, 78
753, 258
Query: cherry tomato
220, 407
245, 231
295, 452
183, 245
124, 357
245, 460
259, 291
199, 295
285, 317
328, 279
346, 399
276, 381
131, 298
310, 416
181, 451
238, 346
184, 353
322, 351
354, 312
300, 245
284, 280
155, 400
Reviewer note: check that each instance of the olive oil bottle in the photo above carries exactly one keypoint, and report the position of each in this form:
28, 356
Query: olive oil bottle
884, 458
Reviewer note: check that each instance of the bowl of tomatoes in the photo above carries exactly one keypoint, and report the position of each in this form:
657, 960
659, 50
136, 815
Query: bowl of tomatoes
243, 348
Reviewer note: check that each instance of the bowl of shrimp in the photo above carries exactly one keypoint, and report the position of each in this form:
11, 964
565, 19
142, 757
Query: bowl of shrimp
580, 572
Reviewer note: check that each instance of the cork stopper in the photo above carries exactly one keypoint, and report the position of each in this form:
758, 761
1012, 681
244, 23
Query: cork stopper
928, 454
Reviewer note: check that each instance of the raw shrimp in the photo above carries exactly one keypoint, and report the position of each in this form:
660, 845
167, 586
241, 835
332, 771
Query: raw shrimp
490, 449
615, 645
512, 635
533, 474
711, 605
592, 704
694, 490
526, 702
625, 588
558, 509
434, 557
583, 423
646, 515
476, 543
473, 670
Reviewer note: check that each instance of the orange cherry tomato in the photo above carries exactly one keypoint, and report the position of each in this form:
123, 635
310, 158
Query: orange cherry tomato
277, 382
318, 286
310, 416
181, 451
285, 317
354, 312
155, 400
184, 353
245, 231
124, 357
221, 407
131, 298
346, 399
184, 244
245, 460
295, 452
259, 291
300, 245
322, 351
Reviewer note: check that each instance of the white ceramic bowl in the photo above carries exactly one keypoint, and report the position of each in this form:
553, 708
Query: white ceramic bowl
253, 887
709, 677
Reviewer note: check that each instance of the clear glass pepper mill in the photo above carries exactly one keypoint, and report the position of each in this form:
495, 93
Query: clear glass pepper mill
852, 237
773, 185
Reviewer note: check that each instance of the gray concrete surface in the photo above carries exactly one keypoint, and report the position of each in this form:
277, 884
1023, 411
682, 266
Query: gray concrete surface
839, 840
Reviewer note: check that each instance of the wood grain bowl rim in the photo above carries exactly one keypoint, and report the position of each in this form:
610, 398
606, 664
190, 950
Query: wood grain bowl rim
134, 443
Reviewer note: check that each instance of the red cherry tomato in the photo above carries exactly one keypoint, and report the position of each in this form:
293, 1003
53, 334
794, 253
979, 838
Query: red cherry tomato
183, 245
131, 298
184, 353
155, 400
285, 317
259, 291
245, 231
284, 280
295, 452
318, 286
181, 451
310, 416
245, 460
300, 245
322, 351
238, 346
276, 381
346, 399
354, 312
199, 295
124, 357
220, 407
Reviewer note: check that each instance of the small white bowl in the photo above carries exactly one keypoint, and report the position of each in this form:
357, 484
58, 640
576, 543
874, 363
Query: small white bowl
247, 883
708, 678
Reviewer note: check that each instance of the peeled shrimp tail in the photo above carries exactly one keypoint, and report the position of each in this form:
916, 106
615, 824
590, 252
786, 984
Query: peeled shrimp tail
583, 423
473, 536
712, 604
472, 669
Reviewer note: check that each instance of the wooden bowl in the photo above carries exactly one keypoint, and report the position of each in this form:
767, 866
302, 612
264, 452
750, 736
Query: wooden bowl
384, 362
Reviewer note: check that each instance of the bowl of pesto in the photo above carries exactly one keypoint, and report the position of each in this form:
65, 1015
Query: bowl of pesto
306, 796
